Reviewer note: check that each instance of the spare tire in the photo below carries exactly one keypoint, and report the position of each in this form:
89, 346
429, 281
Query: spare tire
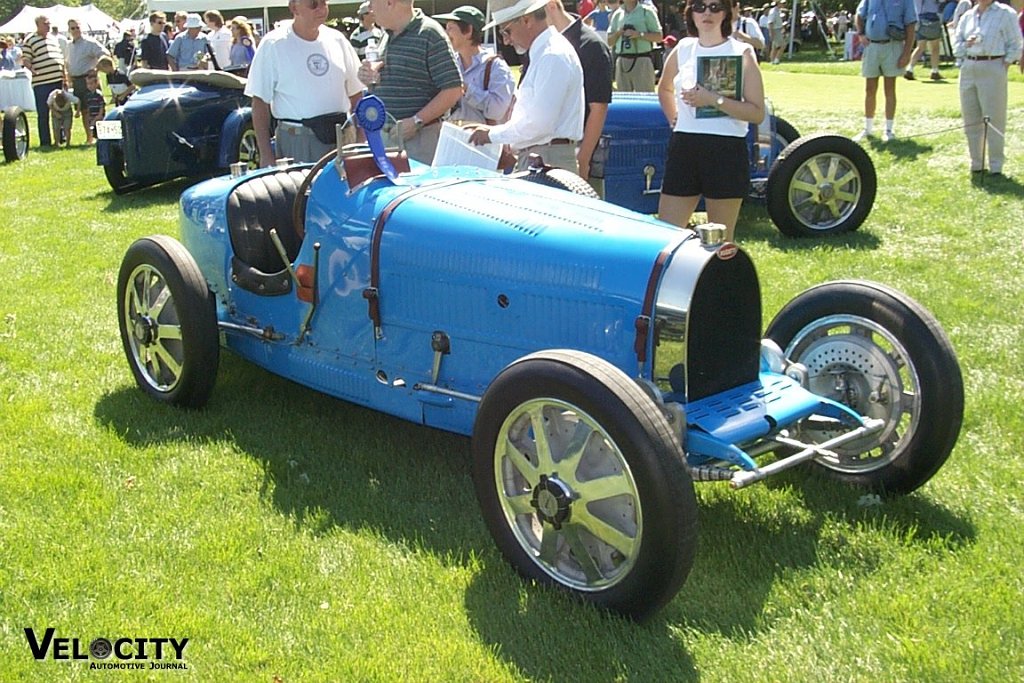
561, 179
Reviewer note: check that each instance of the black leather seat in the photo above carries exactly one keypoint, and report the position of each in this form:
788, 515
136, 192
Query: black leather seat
254, 207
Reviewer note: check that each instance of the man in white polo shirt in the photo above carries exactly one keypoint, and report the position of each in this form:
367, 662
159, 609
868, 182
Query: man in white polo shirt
300, 72
547, 117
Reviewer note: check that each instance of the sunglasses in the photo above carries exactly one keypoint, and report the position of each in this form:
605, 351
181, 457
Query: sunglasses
506, 30
72, 28
713, 7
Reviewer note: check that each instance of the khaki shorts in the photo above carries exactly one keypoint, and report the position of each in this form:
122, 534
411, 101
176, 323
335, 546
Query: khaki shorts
881, 59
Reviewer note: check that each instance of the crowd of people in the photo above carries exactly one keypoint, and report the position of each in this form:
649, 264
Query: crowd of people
65, 64
305, 75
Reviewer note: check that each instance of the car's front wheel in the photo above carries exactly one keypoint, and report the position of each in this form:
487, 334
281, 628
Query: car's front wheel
168, 322
582, 483
15, 134
116, 172
881, 353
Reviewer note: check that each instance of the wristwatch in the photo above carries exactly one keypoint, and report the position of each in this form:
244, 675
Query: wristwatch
720, 101
418, 121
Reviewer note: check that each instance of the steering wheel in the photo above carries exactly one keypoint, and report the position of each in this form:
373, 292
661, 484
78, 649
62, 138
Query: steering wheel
302, 196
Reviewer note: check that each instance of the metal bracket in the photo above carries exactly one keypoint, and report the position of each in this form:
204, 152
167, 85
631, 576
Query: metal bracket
442, 346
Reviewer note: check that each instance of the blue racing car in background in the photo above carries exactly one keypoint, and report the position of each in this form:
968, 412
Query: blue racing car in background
601, 361
177, 124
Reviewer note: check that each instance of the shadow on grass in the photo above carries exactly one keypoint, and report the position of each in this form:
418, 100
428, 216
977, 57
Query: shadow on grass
161, 194
330, 464
744, 553
538, 629
754, 225
908, 149
998, 184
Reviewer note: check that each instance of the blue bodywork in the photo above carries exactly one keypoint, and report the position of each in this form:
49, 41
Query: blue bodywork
177, 127
501, 267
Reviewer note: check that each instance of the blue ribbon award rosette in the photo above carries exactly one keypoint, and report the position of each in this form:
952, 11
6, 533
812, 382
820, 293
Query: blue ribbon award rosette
371, 116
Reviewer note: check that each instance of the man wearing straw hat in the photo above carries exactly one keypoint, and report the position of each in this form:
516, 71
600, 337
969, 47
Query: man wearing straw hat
547, 117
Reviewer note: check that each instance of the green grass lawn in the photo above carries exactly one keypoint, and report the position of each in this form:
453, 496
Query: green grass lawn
292, 536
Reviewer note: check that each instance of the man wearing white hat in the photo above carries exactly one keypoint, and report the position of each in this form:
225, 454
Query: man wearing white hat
547, 117
189, 49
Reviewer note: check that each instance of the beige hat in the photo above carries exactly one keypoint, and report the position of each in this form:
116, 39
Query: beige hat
503, 11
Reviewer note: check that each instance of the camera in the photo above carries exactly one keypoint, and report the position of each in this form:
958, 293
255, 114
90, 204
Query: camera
627, 42
895, 31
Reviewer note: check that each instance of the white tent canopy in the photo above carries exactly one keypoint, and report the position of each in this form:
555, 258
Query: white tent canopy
172, 6
91, 18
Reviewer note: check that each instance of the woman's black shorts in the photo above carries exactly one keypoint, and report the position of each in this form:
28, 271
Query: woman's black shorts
716, 166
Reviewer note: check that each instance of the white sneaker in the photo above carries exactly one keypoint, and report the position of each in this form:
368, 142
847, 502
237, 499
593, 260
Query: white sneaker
861, 136
888, 136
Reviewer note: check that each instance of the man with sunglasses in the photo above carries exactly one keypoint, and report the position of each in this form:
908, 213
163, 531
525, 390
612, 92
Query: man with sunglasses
42, 55
304, 74
596, 60
153, 48
547, 114
417, 76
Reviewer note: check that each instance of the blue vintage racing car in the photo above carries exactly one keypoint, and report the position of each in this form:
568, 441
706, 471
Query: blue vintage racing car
601, 361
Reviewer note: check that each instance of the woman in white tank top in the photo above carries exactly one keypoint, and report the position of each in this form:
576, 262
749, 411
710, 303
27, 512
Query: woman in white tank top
707, 155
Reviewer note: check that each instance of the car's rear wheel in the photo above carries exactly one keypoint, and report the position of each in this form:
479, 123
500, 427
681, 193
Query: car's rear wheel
785, 133
116, 172
582, 483
248, 149
881, 353
15, 134
168, 322
821, 185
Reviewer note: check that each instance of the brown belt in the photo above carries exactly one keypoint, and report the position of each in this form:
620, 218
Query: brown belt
985, 58
879, 42
562, 141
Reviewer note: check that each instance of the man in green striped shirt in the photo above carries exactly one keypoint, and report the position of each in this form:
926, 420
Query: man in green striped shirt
418, 79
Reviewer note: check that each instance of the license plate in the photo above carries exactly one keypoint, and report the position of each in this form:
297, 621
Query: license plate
108, 130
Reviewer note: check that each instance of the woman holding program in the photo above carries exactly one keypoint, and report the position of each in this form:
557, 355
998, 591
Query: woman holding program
707, 155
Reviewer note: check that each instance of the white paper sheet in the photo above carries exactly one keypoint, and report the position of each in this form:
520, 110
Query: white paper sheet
454, 149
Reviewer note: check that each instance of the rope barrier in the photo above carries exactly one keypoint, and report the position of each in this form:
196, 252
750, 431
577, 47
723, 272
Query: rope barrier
984, 122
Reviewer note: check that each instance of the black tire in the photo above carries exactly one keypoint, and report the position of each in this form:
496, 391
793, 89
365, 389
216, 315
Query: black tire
881, 353
785, 133
117, 173
248, 149
168, 322
563, 180
821, 185
16, 136
632, 568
